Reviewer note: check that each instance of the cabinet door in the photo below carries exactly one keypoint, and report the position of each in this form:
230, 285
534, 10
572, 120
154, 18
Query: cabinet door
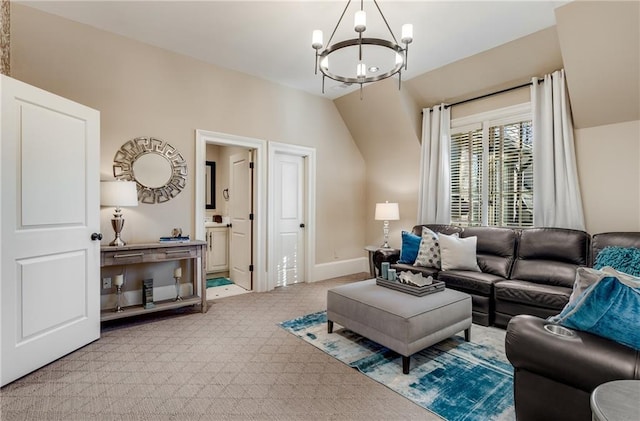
209, 238
217, 249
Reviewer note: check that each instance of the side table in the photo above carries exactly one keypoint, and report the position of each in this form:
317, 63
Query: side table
618, 400
372, 266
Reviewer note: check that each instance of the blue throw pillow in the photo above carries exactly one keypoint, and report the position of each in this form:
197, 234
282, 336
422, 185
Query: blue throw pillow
609, 308
622, 259
410, 247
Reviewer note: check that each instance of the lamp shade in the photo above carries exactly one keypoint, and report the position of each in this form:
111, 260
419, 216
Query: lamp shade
118, 193
387, 212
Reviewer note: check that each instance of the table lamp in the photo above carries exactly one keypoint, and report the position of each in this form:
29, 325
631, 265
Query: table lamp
118, 194
387, 212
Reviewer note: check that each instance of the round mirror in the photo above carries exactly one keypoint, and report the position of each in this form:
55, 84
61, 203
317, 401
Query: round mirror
152, 170
159, 170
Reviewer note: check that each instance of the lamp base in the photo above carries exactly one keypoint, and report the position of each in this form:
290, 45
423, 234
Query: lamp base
117, 223
118, 242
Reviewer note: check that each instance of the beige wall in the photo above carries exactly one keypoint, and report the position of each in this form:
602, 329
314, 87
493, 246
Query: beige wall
609, 171
141, 90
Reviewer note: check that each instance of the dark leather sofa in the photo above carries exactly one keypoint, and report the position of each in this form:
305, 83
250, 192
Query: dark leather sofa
554, 376
528, 271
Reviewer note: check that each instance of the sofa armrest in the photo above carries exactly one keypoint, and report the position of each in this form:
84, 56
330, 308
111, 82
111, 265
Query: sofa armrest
583, 361
385, 255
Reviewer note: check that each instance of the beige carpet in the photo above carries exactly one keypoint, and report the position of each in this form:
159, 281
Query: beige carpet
232, 363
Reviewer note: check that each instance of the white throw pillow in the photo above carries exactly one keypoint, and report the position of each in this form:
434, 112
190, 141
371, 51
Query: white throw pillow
458, 253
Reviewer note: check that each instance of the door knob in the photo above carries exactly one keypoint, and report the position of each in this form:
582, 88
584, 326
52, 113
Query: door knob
96, 236
302, 225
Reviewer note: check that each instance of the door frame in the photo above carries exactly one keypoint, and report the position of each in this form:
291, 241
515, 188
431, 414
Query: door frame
309, 156
204, 137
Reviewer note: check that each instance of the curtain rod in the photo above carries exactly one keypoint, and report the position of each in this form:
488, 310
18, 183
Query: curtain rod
513, 88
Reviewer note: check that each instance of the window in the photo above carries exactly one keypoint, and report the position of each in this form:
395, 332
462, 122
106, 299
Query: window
492, 169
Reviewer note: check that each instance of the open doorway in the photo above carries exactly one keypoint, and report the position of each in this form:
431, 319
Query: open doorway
251, 229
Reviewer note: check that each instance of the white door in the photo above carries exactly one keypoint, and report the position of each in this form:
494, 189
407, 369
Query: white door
240, 209
49, 266
289, 218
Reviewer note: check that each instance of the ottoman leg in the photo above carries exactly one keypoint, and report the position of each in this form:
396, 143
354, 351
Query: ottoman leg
405, 364
329, 326
467, 334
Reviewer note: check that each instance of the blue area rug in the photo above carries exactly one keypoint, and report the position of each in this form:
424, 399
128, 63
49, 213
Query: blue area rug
218, 282
456, 380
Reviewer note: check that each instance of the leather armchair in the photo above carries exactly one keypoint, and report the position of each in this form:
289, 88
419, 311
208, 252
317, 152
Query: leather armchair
554, 376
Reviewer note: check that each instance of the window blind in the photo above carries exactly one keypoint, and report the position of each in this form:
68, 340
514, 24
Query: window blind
492, 175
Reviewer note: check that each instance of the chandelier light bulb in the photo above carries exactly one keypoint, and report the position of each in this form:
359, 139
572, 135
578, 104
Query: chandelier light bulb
407, 33
361, 71
316, 39
324, 63
360, 21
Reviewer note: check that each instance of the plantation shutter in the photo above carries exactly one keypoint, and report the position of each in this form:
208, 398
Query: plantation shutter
492, 171
466, 177
510, 175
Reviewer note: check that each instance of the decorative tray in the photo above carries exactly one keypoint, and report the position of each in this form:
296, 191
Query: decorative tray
436, 286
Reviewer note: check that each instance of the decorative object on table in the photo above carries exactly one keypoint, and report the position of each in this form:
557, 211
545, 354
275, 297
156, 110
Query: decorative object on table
443, 378
147, 293
118, 281
435, 286
177, 274
391, 275
351, 69
384, 269
118, 194
387, 212
181, 239
415, 279
157, 167
176, 232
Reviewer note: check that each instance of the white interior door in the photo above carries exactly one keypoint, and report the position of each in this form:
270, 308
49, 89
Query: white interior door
49, 266
289, 218
240, 209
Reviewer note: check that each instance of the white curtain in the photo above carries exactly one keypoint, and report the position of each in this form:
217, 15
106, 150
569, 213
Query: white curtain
557, 201
434, 202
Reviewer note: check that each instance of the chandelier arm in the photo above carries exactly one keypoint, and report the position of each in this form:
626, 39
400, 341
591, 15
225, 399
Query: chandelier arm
385, 22
338, 24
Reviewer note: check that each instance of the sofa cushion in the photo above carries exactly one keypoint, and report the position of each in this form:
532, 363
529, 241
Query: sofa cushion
458, 253
472, 282
437, 228
429, 251
550, 256
495, 249
531, 293
619, 239
609, 308
410, 246
623, 259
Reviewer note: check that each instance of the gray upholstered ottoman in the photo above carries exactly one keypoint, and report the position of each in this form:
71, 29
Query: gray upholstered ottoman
401, 322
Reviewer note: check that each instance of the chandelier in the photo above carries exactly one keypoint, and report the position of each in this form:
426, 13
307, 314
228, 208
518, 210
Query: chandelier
385, 56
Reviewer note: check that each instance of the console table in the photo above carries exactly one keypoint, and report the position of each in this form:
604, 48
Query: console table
155, 253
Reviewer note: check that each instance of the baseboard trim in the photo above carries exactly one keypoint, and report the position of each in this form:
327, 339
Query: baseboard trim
324, 271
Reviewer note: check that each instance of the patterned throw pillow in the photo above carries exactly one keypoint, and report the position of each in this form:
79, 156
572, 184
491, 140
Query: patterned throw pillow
429, 251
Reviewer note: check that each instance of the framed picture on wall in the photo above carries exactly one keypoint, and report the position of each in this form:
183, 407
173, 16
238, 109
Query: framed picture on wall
210, 185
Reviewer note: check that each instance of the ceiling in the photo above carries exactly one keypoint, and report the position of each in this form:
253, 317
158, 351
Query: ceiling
272, 39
